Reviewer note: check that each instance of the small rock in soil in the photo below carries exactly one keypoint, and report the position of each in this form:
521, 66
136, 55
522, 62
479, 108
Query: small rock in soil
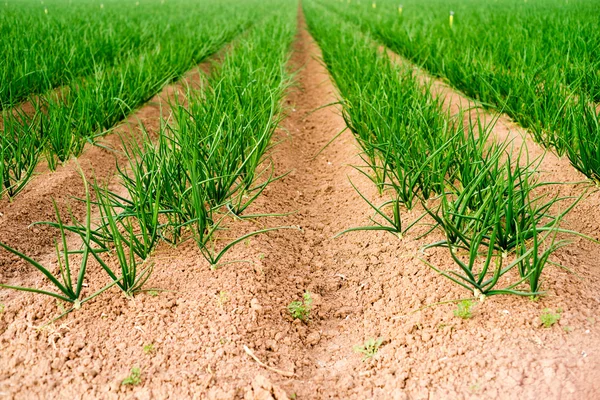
255, 305
263, 389
313, 338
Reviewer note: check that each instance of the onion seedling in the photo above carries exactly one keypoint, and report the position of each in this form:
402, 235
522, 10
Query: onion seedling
407, 141
300, 309
582, 140
369, 348
20, 148
68, 290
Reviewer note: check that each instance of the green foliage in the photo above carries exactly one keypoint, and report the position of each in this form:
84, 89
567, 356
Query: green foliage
498, 212
67, 289
20, 150
550, 318
212, 153
405, 138
300, 309
484, 196
464, 309
369, 348
149, 348
134, 378
83, 77
131, 279
544, 75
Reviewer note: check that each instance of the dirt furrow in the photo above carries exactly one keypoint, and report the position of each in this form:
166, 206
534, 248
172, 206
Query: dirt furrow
320, 352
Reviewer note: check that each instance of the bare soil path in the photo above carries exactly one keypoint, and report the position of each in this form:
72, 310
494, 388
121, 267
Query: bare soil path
188, 341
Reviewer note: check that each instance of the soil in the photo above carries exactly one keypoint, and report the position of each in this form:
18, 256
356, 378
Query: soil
365, 285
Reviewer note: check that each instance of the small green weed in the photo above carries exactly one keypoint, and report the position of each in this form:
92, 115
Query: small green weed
153, 293
549, 318
476, 387
443, 326
223, 298
301, 309
464, 309
369, 349
134, 378
149, 348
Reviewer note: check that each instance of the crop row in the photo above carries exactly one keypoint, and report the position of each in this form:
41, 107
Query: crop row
487, 200
67, 118
208, 164
538, 62
47, 44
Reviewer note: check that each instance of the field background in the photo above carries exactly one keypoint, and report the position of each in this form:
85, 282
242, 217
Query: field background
175, 174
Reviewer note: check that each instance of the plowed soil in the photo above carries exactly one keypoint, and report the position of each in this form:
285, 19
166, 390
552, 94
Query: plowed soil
365, 285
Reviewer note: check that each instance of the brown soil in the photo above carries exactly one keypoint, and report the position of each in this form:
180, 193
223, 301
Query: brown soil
365, 285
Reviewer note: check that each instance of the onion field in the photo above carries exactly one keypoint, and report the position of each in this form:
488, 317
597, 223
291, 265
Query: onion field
299, 200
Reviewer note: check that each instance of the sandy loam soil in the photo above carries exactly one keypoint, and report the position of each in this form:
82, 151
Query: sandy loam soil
364, 285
